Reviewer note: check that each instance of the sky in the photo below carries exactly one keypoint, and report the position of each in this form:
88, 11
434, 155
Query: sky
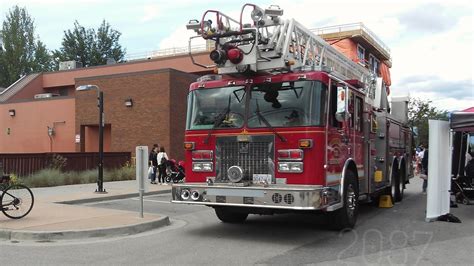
431, 42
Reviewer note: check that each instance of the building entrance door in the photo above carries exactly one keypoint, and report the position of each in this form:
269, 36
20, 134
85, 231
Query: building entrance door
91, 138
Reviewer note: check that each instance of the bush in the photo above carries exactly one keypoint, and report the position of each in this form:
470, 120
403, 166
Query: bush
45, 178
54, 177
14, 179
120, 174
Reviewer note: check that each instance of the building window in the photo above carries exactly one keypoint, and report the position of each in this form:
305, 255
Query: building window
374, 64
63, 92
361, 54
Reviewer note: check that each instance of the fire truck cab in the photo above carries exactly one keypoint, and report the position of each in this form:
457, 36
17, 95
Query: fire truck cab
289, 124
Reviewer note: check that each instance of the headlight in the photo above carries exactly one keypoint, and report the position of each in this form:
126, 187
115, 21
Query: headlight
290, 167
257, 14
203, 167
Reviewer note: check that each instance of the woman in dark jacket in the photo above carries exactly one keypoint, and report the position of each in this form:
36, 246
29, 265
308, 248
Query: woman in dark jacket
162, 158
424, 165
153, 162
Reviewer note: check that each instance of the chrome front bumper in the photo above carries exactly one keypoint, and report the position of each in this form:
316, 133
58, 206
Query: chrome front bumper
301, 197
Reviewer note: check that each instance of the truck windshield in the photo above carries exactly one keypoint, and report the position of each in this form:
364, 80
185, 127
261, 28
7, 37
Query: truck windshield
287, 104
216, 108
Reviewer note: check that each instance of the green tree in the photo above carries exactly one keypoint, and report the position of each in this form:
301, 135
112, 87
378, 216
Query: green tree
90, 47
419, 112
22, 52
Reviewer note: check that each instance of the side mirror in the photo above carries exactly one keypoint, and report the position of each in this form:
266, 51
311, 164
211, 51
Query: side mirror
341, 110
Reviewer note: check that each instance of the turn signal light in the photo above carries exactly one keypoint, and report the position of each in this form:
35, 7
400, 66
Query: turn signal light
189, 146
305, 143
202, 155
290, 155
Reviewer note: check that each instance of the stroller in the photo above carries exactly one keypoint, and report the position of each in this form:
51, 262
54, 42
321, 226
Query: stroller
174, 172
463, 186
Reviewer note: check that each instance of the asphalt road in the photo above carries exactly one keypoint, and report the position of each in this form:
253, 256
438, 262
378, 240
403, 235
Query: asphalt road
396, 236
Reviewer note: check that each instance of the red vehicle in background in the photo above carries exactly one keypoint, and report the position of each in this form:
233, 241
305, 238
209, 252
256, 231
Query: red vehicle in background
289, 124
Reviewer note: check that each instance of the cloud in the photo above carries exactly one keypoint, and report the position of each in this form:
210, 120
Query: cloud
430, 18
445, 94
442, 102
458, 89
150, 12
180, 38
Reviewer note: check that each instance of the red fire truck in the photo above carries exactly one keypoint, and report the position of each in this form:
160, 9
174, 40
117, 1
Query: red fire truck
289, 123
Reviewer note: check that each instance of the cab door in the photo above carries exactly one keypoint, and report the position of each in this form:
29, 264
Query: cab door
358, 140
338, 141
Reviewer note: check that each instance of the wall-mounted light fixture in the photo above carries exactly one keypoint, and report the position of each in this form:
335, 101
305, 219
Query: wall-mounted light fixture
11, 112
129, 102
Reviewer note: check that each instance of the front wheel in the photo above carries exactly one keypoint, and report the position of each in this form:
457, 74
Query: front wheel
17, 201
228, 215
346, 217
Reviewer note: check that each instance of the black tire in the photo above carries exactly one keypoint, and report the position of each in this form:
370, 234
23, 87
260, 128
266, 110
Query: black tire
228, 215
400, 186
168, 179
17, 201
346, 217
465, 201
396, 192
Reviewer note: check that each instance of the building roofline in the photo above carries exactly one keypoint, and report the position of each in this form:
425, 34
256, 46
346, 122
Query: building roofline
39, 100
127, 74
124, 63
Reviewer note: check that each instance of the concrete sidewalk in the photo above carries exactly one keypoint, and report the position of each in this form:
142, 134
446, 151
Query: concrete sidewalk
54, 216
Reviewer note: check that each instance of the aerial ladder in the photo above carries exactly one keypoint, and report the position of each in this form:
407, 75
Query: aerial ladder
273, 45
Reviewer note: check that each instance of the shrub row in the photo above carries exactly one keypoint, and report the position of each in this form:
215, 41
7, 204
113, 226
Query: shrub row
55, 177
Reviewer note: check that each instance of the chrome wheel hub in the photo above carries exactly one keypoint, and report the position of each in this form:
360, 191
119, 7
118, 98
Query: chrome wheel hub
351, 201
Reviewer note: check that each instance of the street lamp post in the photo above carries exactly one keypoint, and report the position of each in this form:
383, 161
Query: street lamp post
100, 99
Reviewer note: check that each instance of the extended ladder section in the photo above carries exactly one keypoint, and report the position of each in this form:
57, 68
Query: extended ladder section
271, 44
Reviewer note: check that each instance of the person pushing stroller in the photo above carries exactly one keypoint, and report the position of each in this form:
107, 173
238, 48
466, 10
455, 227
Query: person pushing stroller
162, 158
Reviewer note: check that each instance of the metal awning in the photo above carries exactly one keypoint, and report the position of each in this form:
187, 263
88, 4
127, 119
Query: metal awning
463, 120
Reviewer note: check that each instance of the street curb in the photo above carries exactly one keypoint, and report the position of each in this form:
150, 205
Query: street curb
114, 197
45, 236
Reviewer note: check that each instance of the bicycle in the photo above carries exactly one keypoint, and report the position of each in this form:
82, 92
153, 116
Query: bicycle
16, 200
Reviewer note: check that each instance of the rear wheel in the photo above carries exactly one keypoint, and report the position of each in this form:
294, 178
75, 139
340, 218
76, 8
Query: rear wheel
346, 217
229, 215
466, 201
17, 201
396, 186
400, 185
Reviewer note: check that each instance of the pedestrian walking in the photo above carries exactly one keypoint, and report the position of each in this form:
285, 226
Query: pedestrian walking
153, 163
162, 158
424, 169
419, 156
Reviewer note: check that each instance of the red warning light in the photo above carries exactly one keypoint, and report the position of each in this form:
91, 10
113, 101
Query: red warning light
235, 55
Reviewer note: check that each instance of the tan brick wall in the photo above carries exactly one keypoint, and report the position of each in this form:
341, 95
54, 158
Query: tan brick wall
179, 94
149, 120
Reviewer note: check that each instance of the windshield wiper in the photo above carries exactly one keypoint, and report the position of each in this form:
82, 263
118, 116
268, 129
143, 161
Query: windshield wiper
217, 121
265, 121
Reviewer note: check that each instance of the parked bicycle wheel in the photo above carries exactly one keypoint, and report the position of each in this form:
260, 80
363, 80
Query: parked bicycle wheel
17, 201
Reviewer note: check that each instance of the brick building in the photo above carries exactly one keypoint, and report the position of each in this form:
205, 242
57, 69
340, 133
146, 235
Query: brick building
141, 108
144, 100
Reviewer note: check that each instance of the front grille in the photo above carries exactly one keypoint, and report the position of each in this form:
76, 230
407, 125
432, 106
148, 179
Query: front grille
254, 157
